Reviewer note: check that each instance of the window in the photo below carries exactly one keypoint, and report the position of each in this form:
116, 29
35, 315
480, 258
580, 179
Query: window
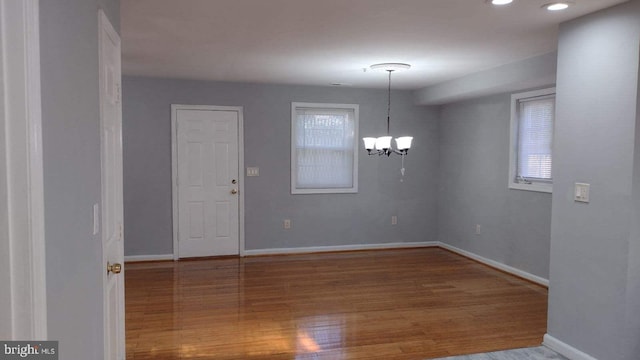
531, 156
323, 148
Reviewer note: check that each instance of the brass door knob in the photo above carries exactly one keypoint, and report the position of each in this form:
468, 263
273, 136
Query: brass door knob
234, 191
114, 268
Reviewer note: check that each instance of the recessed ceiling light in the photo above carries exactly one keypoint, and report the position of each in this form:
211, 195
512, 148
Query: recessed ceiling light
501, 2
556, 6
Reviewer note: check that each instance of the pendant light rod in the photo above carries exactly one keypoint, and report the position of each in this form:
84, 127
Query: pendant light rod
389, 103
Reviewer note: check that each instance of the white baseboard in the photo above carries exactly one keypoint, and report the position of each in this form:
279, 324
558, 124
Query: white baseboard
506, 268
565, 349
319, 249
131, 258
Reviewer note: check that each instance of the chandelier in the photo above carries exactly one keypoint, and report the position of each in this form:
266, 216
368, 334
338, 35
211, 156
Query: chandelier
382, 145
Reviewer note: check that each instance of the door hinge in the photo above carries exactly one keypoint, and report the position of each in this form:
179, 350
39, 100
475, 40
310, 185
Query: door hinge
120, 235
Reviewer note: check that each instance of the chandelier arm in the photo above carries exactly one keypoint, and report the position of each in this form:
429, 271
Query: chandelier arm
400, 152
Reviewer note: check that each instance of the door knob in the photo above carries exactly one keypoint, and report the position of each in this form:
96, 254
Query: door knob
234, 191
114, 268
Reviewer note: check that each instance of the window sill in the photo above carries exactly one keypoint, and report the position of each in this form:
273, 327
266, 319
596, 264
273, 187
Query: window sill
545, 188
324, 191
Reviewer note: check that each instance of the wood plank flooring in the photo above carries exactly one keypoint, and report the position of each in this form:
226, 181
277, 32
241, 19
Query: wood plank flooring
392, 304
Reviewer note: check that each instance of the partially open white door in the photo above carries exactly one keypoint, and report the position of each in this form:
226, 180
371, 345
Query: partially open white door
112, 210
206, 172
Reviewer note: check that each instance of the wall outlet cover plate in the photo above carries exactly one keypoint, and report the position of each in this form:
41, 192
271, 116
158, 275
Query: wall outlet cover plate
581, 192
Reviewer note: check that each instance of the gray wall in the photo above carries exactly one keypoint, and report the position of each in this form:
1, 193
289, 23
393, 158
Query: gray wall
528, 73
473, 189
594, 247
318, 220
71, 144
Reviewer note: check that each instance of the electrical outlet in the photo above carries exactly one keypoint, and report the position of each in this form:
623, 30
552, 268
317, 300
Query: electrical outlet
394, 220
581, 192
287, 223
478, 229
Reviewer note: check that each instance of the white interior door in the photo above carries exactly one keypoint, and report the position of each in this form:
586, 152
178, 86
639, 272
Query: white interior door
206, 167
112, 210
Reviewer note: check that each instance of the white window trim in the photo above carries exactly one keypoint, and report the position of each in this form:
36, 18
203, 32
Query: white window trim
294, 171
513, 143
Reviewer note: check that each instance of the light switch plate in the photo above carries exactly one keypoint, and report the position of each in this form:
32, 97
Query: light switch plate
253, 171
581, 192
96, 219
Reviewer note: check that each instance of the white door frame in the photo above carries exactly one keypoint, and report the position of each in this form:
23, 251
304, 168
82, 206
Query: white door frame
174, 168
23, 307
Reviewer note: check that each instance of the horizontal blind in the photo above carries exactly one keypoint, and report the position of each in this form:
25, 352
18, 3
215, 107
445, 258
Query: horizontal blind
535, 138
324, 148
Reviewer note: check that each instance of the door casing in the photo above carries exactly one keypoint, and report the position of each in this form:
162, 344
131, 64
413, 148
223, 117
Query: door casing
23, 302
174, 169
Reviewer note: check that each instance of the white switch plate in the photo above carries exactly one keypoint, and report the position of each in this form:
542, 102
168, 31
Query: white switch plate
287, 223
394, 220
478, 229
96, 219
253, 171
581, 192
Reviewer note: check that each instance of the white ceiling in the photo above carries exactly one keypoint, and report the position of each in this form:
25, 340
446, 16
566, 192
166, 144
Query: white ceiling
321, 42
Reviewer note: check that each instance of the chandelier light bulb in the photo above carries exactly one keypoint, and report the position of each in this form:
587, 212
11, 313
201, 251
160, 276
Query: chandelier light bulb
383, 143
404, 142
369, 143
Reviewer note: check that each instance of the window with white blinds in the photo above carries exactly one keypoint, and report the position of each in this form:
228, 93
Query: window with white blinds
324, 157
532, 140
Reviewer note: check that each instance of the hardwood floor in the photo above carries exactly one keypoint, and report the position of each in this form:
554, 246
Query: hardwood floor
395, 304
